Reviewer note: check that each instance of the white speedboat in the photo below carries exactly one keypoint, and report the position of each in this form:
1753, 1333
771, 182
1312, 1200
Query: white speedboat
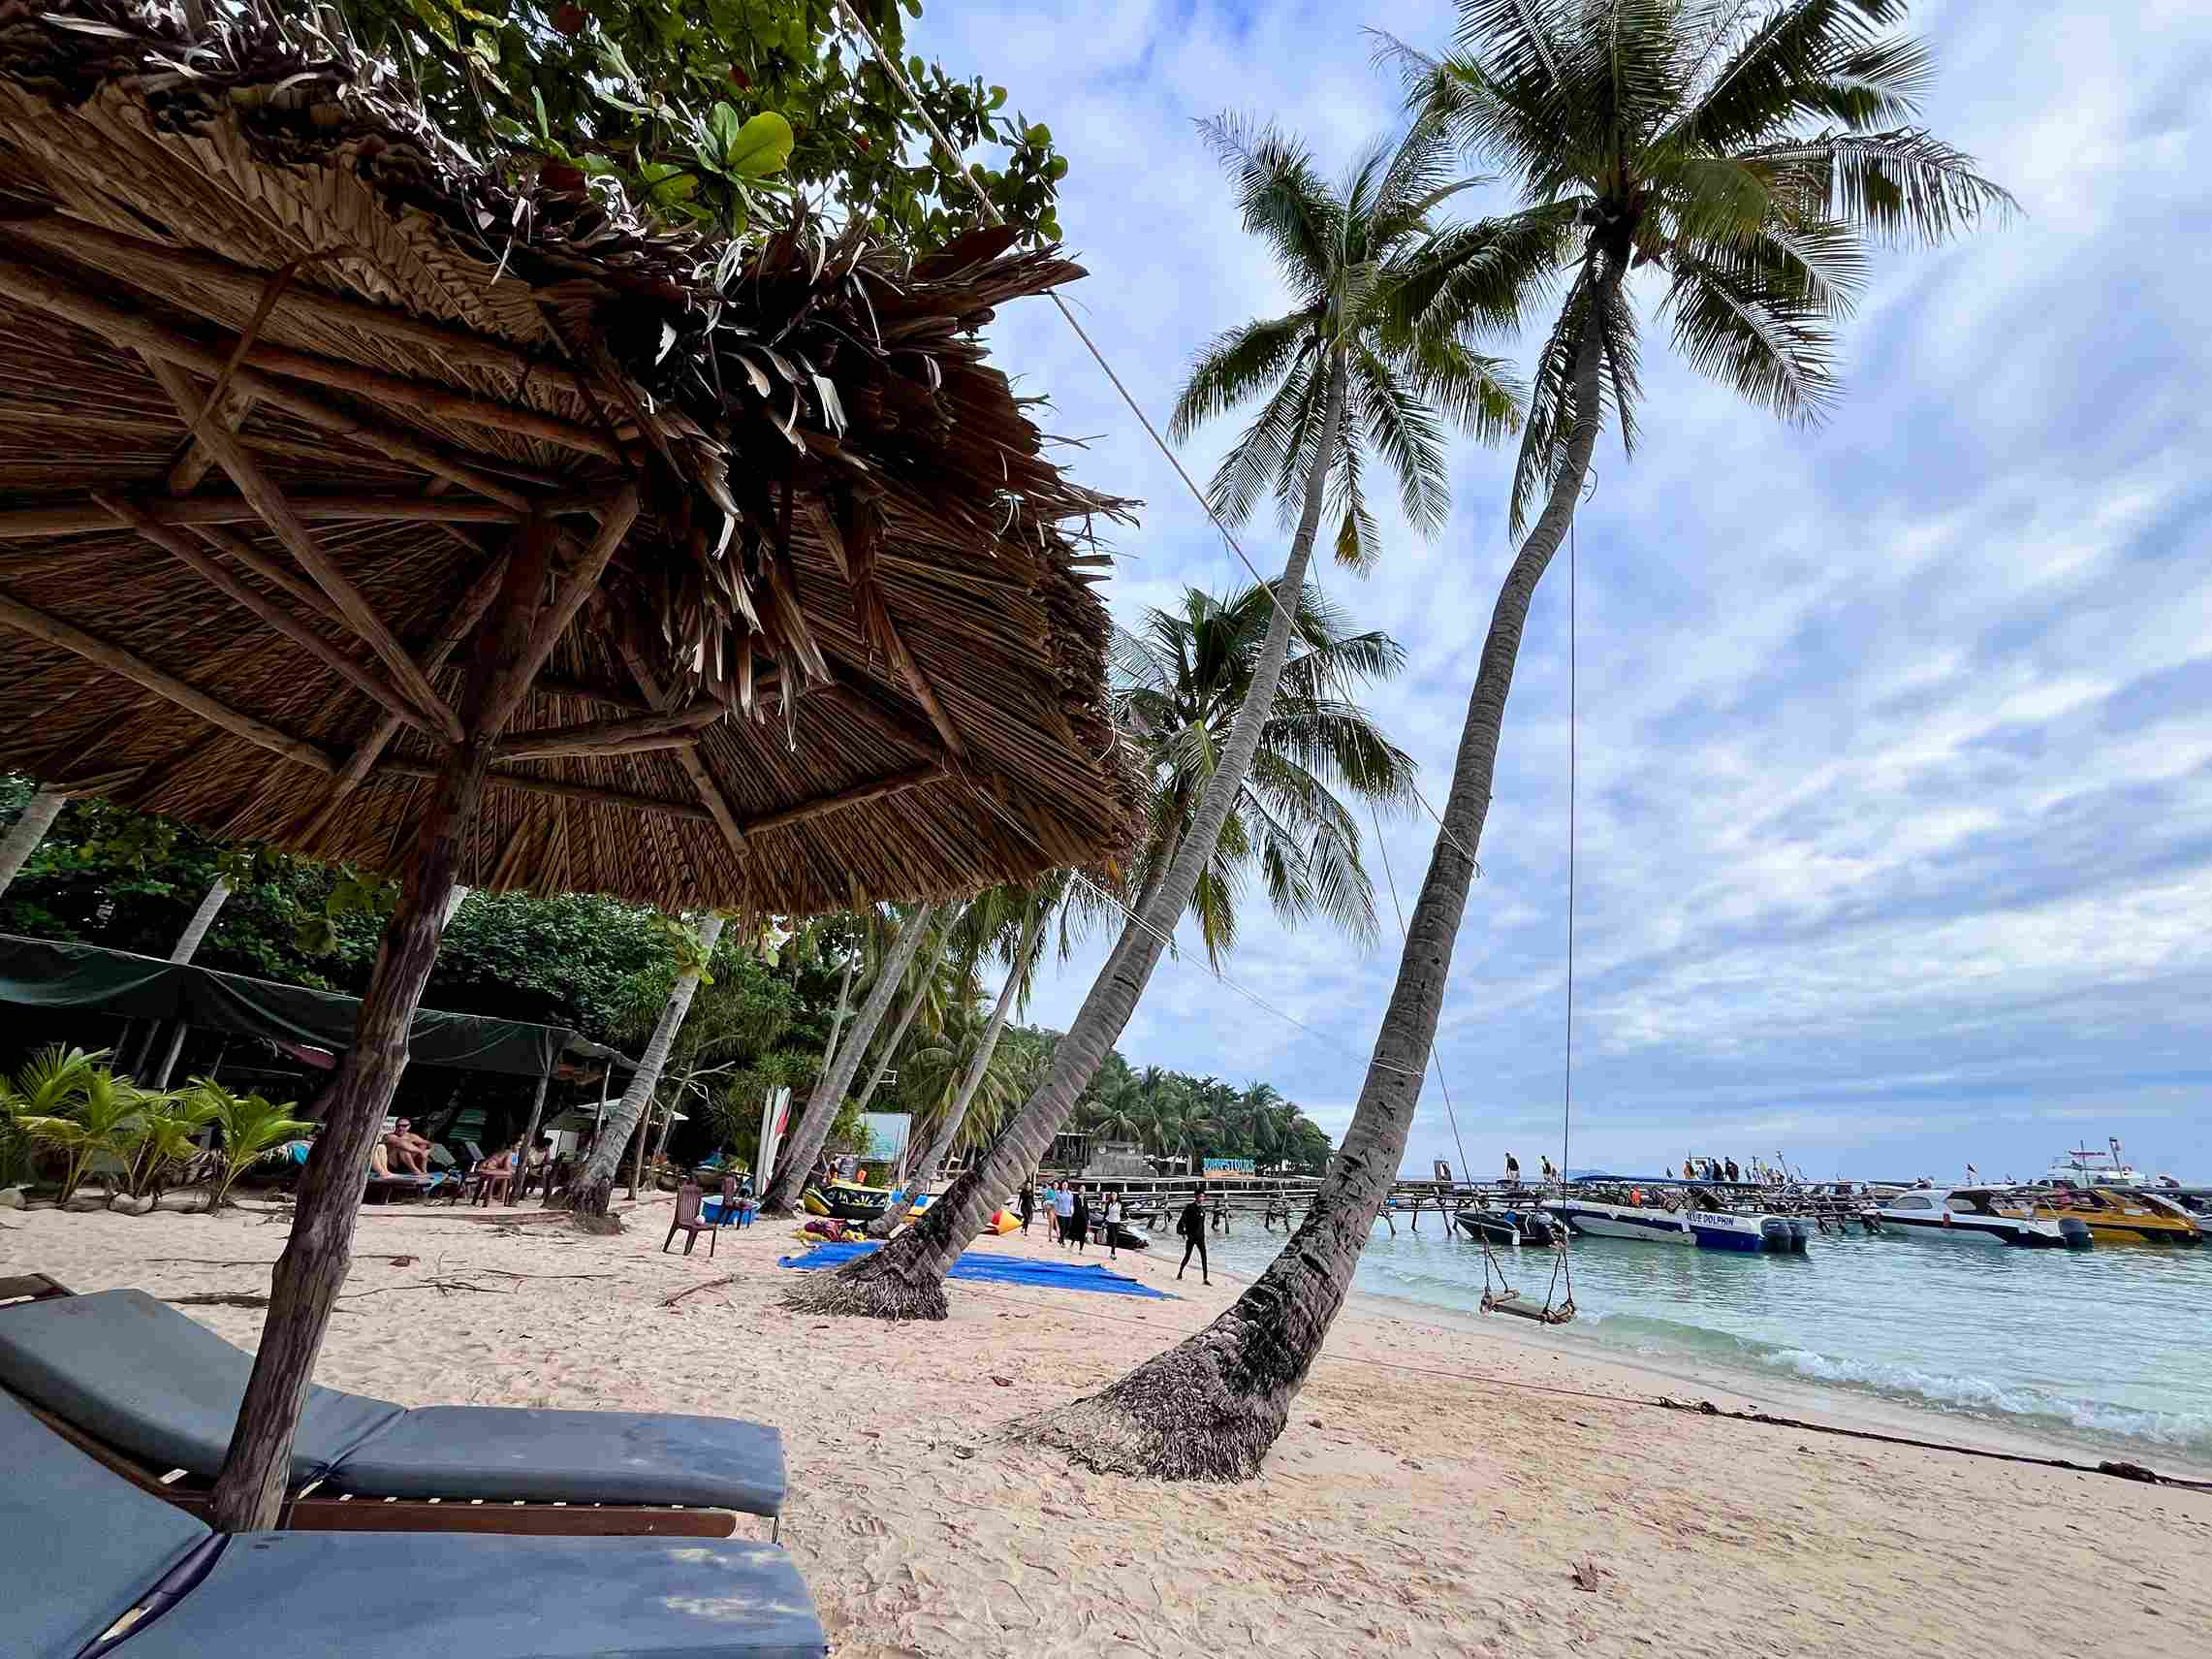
2085, 1166
1595, 1219
1972, 1212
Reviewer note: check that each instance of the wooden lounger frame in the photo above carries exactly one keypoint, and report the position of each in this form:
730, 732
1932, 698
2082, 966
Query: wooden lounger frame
310, 1510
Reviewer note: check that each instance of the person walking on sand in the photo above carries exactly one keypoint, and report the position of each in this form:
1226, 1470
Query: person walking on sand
1079, 1222
1192, 1226
1113, 1226
1028, 1203
1063, 1207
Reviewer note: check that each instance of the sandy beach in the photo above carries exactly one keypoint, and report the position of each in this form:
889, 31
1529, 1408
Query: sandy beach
1430, 1496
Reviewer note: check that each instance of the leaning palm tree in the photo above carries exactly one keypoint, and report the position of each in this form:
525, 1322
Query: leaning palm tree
1745, 160
1344, 385
1179, 679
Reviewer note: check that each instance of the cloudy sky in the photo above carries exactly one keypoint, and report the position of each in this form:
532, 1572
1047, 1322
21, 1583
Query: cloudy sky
1896, 763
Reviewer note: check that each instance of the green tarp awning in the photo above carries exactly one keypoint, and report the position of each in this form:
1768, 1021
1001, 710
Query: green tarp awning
47, 973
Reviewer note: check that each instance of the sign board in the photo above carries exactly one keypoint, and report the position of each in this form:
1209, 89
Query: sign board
1227, 1165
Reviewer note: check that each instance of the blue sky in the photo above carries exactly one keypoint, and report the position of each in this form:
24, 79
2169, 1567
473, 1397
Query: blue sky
1896, 762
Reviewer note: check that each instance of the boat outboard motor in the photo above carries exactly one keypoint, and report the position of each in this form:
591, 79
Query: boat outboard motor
1774, 1235
1800, 1235
2075, 1231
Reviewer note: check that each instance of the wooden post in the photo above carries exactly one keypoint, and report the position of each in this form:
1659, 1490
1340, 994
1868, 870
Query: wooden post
530, 1135
249, 1492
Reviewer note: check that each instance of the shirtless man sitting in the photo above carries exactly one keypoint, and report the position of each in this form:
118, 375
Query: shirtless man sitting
410, 1151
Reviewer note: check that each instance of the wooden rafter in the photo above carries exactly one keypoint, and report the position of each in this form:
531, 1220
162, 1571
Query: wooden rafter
190, 467
416, 769
621, 511
665, 729
703, 783
893, 644
180, 546
586, 691
257, 487
457, 344
118, 660
141, 333
874, 790
76, 518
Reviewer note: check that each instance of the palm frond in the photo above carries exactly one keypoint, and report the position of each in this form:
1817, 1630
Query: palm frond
1894, 186
1281, 195
1765, 340
1407, 436
1267, 450
1234, 365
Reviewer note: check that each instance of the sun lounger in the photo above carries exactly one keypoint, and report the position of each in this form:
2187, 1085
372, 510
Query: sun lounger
152, 1391
93, 1565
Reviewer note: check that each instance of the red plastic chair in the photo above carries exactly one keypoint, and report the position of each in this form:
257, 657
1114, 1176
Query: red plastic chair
687, 1221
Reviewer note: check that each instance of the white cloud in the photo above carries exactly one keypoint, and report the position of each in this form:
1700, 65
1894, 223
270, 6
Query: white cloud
1895, 764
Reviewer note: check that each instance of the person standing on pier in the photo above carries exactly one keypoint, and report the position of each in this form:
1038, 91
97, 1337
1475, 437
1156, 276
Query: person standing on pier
1733, 1176
1192, 1226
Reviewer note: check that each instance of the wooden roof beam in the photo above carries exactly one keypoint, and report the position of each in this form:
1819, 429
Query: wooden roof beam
620, 512
585, 792
180, 546
874, 790
702, 781
665, 729
190, 467
57, 297
118, 660
895, 647
257, 487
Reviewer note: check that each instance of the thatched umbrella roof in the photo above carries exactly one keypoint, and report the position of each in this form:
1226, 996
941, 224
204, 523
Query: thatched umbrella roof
847, 648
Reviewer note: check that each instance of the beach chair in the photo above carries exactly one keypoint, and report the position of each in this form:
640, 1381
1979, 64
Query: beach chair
94, 1565
687, 1221
154, 1394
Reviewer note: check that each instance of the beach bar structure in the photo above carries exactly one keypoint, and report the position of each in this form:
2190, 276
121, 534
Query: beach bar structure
440, 518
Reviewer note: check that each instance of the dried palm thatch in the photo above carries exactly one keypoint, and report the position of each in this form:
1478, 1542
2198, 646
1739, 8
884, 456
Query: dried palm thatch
290, 378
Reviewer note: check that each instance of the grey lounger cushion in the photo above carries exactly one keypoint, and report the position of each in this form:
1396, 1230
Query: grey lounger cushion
141, 1377
404, 1595
78, 1545
563, 1456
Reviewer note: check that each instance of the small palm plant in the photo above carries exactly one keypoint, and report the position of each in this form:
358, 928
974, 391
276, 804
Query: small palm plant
159, 1141
68, 1102
252, 1129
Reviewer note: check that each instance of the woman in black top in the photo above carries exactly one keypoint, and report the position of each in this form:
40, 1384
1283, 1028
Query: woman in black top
1192, 1226
1028, 1202
1079, 1224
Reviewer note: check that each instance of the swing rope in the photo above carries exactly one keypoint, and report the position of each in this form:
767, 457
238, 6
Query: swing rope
1560, 1264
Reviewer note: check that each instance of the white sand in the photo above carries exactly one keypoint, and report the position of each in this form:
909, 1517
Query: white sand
1424, 1510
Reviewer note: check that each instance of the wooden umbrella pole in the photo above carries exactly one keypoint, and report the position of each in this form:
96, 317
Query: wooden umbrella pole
303, 1285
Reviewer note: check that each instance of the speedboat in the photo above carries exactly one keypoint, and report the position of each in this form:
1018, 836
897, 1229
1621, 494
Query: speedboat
1726, 1229
1598, 1220
2116, 1215
1501, 1225
1975, 1212
2085, 1166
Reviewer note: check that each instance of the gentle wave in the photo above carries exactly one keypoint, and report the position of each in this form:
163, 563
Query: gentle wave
2184, 1430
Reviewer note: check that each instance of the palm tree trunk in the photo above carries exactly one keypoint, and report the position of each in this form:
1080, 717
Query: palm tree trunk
941, 1142
906, 1015
211, 904
844, 1008
1211, 1407
905, 1278
595, 1187
794, 1164
27, 831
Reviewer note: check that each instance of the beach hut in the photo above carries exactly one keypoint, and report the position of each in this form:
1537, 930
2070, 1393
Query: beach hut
441, 519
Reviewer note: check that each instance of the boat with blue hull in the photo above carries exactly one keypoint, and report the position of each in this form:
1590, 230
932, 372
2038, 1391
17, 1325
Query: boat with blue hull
1704, 1228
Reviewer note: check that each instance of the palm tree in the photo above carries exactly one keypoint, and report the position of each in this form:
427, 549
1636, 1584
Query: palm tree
1346, 383
1180, 680
252, 1129
795, 1162
595, 1187
1663, 136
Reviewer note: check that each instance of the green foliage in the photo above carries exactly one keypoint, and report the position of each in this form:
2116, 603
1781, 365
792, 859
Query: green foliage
1175, 1116
1744, 155
1347, 252
707, 109
66, 1101
249, 1129
1179, 683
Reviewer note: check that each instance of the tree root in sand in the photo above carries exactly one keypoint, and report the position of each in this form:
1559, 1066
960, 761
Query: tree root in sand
1169, 1420
855, 1292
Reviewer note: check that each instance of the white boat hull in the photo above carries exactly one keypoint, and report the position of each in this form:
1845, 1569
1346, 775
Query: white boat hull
1621, 1220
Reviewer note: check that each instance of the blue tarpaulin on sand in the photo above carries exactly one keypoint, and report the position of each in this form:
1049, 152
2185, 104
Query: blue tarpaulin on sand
997, 1270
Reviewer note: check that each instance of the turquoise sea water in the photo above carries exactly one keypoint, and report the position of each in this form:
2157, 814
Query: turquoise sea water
2113, 1344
